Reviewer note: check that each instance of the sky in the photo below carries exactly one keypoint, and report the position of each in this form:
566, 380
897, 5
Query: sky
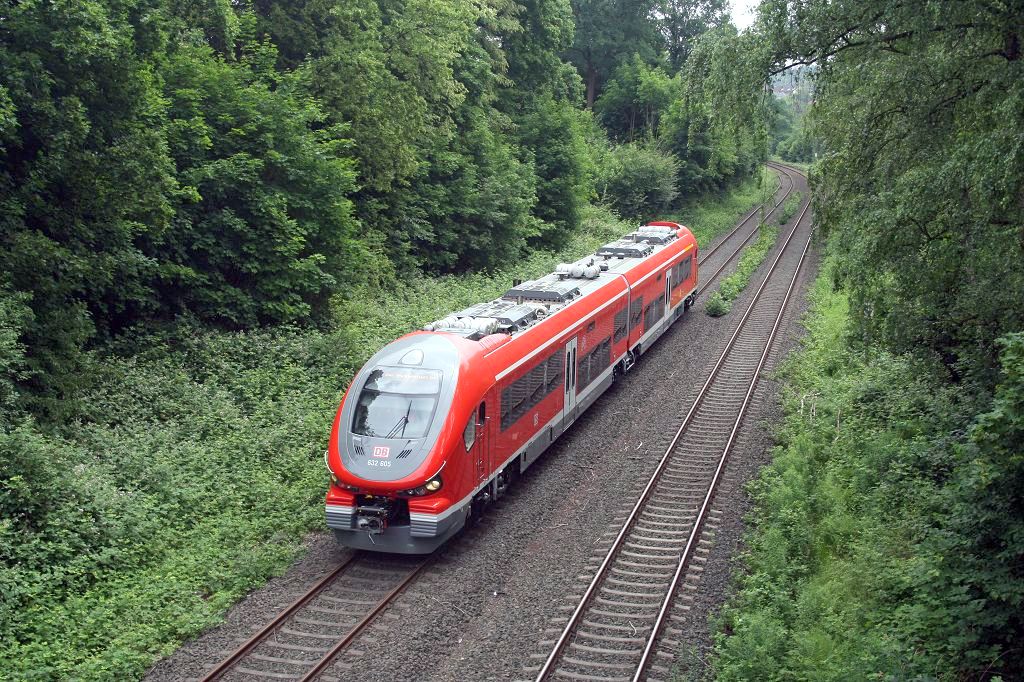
743, 12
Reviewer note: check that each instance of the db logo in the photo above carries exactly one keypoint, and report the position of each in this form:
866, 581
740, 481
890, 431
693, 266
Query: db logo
381, 451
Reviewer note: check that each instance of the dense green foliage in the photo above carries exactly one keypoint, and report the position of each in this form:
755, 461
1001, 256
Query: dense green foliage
888, 540
883, 546
240, 163
635, 99
637, 180
923, 175
717, 129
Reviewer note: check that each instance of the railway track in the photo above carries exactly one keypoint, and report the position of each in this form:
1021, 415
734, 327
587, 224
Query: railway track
616, 624
306, 638
718, 263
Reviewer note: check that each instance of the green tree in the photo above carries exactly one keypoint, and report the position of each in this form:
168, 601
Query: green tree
968, 612
385, 70
718, 129
921, 114
541, 98
608, 31
919, 111
682, 22
84, 172
264, 231
553, 135
635, 99
472, 207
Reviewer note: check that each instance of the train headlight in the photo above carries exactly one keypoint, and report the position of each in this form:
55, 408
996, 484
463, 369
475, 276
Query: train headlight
431, 486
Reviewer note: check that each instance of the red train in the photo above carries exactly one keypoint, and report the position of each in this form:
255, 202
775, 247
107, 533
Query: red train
439, 422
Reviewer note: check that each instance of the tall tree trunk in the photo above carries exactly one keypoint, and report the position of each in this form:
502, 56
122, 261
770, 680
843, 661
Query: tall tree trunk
591, 85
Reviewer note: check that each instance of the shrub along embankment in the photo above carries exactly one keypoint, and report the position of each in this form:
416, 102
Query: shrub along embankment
887, 534
192, 468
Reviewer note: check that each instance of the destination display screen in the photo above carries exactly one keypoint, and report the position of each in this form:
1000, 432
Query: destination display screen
407, 380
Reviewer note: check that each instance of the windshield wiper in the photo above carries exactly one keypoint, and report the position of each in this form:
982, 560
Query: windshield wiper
402, 423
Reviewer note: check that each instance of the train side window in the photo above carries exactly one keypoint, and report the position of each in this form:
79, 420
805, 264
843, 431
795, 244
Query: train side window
506, 408
525, 393
469, 435
554, 371
593, 363
620, 324
537, 385
654, 311
636, 312
685, 269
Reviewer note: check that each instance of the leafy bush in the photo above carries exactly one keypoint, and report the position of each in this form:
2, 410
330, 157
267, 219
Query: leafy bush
190, 480
638, 181
717, 305
887, 531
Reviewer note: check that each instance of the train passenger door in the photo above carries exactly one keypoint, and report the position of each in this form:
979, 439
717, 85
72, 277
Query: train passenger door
569, 385
477, 441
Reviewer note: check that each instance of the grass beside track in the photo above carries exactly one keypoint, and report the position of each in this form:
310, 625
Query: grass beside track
194, 468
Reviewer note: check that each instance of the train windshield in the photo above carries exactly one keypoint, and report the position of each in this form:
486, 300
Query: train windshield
397, 402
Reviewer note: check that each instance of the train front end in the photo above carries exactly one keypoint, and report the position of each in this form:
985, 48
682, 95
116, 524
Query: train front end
392, 487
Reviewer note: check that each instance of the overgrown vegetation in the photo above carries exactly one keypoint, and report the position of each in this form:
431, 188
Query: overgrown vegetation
886, 538
888, 533
789, 207
720, 301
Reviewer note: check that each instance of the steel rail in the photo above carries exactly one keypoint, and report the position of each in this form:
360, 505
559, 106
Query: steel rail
574, 619
705, 284
743, 221
280, 618
318, 666
361, 625
698, 525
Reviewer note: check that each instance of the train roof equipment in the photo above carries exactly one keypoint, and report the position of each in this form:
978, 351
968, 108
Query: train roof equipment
527, 303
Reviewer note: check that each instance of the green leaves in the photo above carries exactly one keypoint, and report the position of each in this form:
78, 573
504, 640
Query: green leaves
919, 115
635, 98
888, 533
638, 180
268, 233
